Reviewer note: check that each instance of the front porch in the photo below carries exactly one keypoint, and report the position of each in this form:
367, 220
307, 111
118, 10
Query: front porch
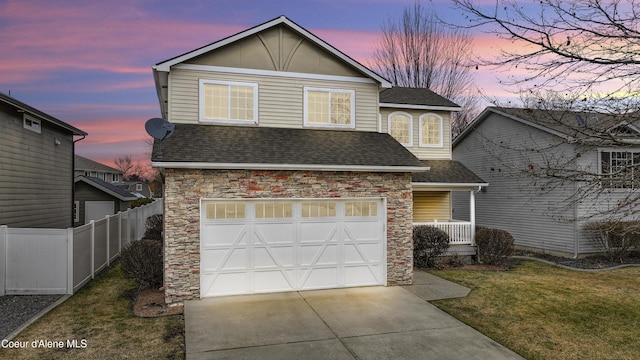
460, 232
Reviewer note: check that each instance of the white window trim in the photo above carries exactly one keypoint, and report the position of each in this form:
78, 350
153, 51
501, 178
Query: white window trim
352, 125
203, 119
605, 177
438, 145
410, 143
37, 129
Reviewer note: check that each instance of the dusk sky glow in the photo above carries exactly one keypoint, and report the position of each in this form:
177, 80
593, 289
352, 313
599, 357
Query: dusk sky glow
88, 62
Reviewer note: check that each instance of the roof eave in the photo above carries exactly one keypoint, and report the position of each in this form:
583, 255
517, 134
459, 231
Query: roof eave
429, 185
302, 167
102, 188
421, 107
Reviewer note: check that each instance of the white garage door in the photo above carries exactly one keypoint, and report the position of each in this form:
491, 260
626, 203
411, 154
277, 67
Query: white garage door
96, 210
284, 245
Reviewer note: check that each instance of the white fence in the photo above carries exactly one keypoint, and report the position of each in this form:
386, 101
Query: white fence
460, 232
60, 261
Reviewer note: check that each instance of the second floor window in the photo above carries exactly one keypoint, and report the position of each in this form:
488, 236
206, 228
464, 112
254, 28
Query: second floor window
400, 127
329, 107
430, 130
228, 101
619, 169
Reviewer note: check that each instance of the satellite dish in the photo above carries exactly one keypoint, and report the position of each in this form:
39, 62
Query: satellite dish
159, 129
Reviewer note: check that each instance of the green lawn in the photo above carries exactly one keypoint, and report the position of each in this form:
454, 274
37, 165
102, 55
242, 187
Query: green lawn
544, 312
101, 313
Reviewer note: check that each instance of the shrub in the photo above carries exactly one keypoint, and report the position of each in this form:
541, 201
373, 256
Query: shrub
153, 227
141, 202
495, 246
142, 260
615, 238
428, 243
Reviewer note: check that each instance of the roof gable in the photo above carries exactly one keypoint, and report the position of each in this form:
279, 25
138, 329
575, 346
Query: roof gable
20, 106
279, 22
569, 125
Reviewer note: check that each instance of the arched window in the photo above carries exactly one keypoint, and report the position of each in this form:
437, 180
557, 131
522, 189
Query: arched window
431, 130
400, 127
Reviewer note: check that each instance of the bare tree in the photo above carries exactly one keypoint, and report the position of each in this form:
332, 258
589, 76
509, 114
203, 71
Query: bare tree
419, 51
574, 64
125, 164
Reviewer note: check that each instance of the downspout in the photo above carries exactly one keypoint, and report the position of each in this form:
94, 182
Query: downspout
576, 240
73, 172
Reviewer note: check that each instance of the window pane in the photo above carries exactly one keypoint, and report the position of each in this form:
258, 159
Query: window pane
400, 128
241, 99
318, 209
216, 101
430, 130
318, 107
229, 210
273, 210
341, 108
361, 208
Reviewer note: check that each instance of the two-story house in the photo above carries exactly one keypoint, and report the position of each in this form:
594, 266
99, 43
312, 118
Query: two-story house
551, 173
90, 168
282, 173
36, 158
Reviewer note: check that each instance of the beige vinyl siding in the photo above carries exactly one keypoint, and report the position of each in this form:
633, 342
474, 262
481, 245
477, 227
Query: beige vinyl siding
36, 182
511, 202
423, 153
280, 98
431, 205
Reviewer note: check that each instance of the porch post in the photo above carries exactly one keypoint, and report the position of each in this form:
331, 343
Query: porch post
472, 216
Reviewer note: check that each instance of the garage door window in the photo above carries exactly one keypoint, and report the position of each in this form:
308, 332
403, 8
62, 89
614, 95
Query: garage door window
274, 210
225, 210
361, 208
318, 209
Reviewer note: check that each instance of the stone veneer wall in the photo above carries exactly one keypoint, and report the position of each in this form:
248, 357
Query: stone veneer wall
185, 187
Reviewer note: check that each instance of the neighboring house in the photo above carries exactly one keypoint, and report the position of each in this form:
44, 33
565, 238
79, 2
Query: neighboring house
139, 189
281, 174
505, 146
36, 162
90, 168
96, 198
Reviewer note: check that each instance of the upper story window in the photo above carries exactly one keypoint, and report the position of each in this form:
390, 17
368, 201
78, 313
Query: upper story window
115, 178
618, 169
329, 107
431, 130
401, 128
226, 101
31, 123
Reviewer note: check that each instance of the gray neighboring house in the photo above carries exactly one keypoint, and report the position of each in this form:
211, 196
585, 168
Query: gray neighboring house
90, 168
539, 219
36, 162
139, 189
96, 198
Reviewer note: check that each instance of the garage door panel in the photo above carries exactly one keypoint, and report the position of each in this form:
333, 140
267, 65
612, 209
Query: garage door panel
277, 280
274, 257
361, 275
225, 234
363, 230
318, 254
318, 231
319, 278
225, 283
363, 252
275, 233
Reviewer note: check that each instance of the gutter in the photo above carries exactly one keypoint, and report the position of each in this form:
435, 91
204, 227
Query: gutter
304, 167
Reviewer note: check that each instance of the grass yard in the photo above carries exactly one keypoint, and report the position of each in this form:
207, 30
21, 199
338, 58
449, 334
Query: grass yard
544, 312
101, 313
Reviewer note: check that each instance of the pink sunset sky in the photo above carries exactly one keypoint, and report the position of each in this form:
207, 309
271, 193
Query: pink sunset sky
88, 62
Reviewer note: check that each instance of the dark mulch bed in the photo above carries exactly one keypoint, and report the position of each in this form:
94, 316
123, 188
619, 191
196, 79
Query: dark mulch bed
591, 262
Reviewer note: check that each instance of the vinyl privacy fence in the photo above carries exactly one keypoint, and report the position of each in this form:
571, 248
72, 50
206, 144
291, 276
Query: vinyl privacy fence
61, 261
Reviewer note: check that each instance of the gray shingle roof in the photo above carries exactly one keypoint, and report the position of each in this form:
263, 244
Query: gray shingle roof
414, 96
33, 111
215, 144
82, 163
446, 172
107, 187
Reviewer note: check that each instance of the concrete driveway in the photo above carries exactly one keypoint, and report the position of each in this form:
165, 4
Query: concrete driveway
355, 323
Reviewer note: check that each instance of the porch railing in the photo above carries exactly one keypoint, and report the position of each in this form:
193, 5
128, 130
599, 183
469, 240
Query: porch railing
460, 232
